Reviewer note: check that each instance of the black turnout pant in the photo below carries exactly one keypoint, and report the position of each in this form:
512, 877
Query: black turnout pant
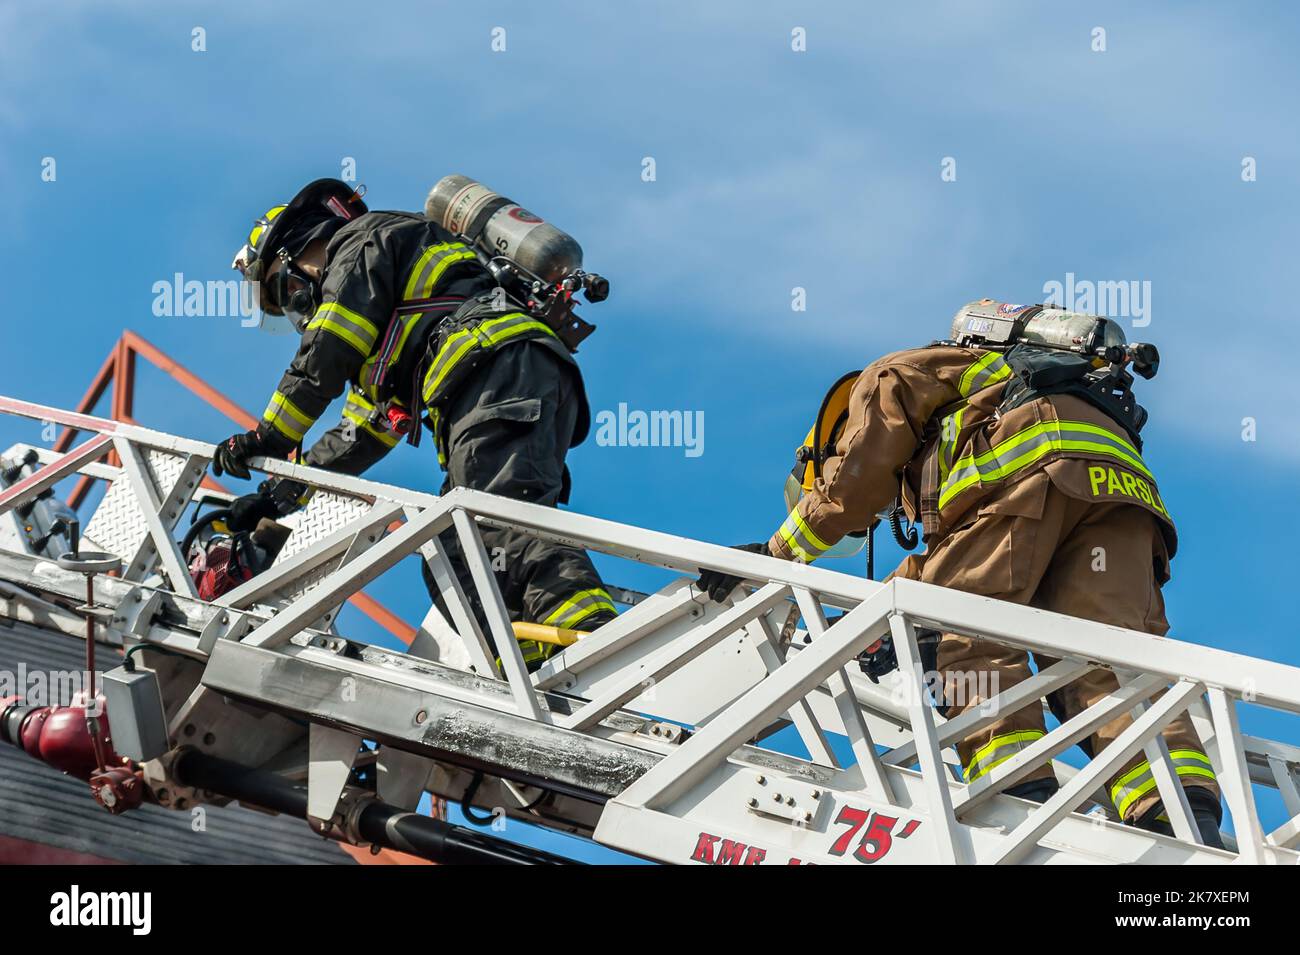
508, 432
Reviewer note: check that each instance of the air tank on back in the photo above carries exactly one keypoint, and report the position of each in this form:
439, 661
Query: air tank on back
500, 226
1001, 323
1060, 328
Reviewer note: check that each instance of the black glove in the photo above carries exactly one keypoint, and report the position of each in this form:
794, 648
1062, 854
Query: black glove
878, 659
717, 584
233, 454
246, 511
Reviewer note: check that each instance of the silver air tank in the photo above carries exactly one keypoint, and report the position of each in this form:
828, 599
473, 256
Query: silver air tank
1058, 328
988, 322
500, 226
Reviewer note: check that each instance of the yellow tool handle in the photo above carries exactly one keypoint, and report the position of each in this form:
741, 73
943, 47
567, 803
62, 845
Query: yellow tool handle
542, 633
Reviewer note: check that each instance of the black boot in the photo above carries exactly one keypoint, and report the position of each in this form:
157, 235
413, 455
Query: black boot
1207, 813
536, 654
1036, 790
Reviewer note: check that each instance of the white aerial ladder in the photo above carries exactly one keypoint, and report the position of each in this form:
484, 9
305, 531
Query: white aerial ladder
651, 735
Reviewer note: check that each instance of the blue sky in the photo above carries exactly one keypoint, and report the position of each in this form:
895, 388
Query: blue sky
774, 170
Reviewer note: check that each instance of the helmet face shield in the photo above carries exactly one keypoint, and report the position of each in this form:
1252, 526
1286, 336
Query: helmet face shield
276, 324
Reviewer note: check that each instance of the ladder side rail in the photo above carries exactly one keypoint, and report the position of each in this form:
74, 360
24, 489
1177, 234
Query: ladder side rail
1041, 751
658, 549
875, 784
150, 503
303, 610
754, 710
27, 489
283, 575
619, 636
1234, 778
148, 438
1024, 838
1271, 684
498, 617
975, 718
99, 470
674, 656
801, 714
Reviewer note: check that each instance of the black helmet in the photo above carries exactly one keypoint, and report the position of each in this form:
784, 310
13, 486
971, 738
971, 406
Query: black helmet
317, 211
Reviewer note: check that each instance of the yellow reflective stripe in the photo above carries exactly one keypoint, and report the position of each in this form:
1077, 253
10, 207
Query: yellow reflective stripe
262, 225
490, 332
799, 537
582, 613
435, 423
358, 409
532, 651
357, 330
431, 265
983, 759
413, 282
1033, 443
580, 606
1132, 786
515, 327
989, 368
443, 264
461, 342
949, 431
1110, 436
287, 418
1124, 798
1192, 754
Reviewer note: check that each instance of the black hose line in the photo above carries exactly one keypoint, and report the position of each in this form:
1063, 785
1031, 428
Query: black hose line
378, 822
218, 515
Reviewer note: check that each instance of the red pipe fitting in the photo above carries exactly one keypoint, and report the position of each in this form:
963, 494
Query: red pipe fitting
59, 736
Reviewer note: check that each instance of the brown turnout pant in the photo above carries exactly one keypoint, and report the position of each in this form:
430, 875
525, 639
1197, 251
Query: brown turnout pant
1101, 561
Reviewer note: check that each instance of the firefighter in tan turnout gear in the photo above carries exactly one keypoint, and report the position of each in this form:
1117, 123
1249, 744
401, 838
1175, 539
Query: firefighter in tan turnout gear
1015, 443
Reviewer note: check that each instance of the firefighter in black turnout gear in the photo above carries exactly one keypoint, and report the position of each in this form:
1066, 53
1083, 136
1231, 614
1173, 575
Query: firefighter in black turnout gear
401, 315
